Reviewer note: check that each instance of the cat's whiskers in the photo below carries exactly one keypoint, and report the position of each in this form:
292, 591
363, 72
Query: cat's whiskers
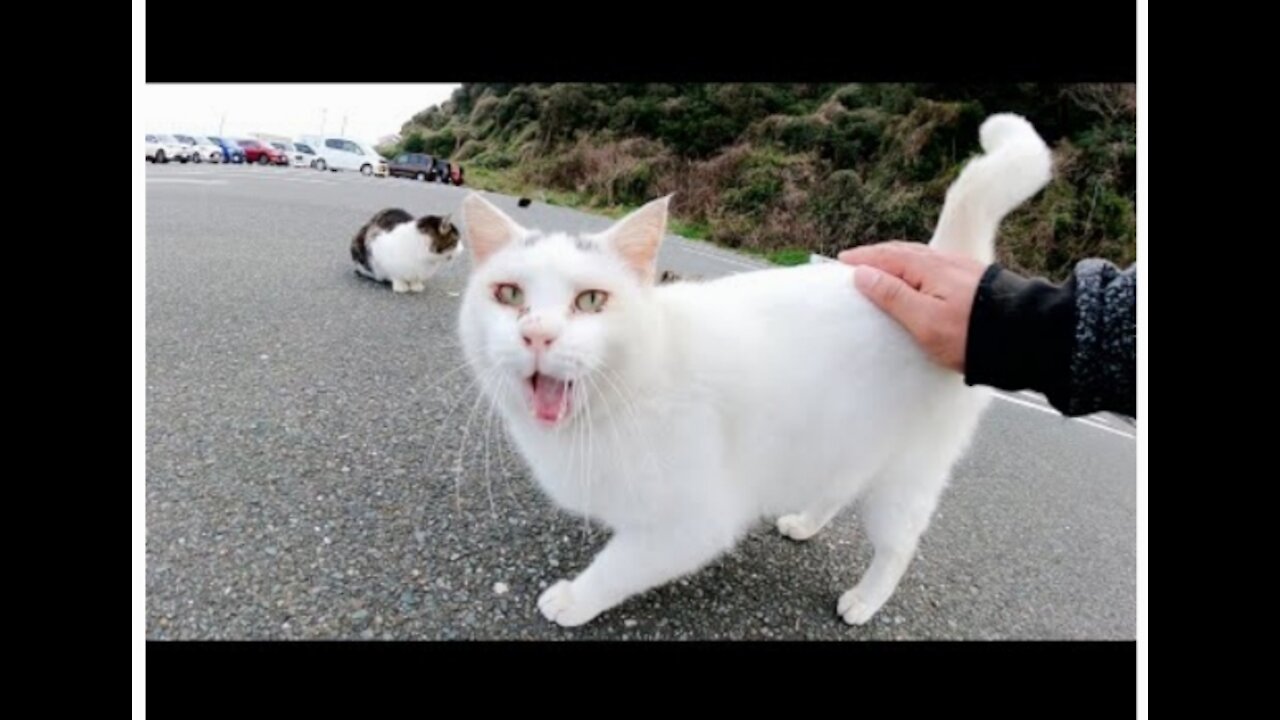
617, 438
505, 453
488, 427
503, 387
588, 451
444, 426
440, 380
627, 398
575, 472
459, 465
625, 404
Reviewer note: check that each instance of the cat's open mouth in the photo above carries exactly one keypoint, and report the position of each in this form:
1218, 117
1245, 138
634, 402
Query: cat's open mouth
549, 397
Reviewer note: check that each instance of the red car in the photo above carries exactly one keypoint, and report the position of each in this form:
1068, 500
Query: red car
261, 153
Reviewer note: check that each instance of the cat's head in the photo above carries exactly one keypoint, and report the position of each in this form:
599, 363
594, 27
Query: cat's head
441, 234
549, 319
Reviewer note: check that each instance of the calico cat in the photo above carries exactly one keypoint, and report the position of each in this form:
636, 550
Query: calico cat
670, 276
678, 415
393, 248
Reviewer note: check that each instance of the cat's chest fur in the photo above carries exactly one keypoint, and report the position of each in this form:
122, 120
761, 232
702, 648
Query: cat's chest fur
622, 466
401, 253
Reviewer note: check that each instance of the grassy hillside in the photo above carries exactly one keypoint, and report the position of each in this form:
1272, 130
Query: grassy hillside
782, 170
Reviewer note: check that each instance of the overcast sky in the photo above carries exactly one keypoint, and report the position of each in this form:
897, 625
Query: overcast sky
371, 111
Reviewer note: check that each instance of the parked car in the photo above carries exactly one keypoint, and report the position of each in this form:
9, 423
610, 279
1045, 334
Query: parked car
304, 156
338, 153
202, 148
443, 169
290, 152
418, 166
154, 149
163, 148
231, 152
255, 151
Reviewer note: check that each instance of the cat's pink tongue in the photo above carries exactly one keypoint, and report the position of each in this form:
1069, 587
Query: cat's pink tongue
549, 401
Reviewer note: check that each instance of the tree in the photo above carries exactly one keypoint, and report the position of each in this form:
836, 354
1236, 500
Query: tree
415, 143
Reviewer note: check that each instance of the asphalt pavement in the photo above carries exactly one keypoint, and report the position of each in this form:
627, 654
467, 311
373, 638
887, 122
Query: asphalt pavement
317, 466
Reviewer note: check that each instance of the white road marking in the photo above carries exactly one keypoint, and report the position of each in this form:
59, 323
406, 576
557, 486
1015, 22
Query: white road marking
1050, 411
687, 245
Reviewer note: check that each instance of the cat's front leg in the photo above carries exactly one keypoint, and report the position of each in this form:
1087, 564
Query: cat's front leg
400, 286
632, 562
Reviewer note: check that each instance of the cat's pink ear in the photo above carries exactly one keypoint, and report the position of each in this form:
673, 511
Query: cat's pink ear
488, 228
638, 236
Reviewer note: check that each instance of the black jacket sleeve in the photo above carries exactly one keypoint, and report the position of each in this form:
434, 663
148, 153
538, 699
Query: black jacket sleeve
1076, 342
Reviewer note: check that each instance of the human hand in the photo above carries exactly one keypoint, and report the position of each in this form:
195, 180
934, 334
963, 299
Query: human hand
929, 292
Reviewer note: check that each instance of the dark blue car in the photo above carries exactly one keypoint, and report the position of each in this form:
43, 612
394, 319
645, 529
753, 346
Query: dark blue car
230, 150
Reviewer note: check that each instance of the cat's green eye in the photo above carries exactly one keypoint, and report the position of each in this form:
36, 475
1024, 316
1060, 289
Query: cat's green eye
591, 301
509, 294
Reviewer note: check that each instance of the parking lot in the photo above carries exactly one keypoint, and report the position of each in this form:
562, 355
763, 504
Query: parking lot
317, 466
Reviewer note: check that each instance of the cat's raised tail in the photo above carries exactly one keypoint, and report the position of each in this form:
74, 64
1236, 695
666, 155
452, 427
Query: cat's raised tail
1015, 165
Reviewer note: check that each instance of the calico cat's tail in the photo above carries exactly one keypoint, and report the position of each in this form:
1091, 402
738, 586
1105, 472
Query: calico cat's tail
368, 275
1015, 166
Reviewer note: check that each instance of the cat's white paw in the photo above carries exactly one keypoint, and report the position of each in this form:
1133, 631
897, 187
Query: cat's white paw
557, 605
854, 608
399, 286
798, 527
417, 287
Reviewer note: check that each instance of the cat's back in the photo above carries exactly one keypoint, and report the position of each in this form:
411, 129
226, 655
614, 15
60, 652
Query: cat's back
795, 362
797, 300
789, 327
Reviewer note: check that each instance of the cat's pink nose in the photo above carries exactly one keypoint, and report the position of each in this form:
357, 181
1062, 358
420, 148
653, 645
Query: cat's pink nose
539, 339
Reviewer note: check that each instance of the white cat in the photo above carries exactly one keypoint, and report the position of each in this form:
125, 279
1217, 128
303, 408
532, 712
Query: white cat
394, 248
679, 415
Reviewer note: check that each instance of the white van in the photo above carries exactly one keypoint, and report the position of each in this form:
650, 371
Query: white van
337, 153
